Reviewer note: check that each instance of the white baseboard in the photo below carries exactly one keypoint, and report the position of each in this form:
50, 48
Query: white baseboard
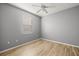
59, 42
37, 40
18, 46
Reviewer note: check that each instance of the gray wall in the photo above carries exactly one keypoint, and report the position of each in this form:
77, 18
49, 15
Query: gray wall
10, 26
62, 26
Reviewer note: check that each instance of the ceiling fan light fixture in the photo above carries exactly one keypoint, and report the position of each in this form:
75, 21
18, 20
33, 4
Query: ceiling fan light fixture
43, 8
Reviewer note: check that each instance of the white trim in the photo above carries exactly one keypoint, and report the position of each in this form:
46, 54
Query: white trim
18, 46
37, 40
59, 42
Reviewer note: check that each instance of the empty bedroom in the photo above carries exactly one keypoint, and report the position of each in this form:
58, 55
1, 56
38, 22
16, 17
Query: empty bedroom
39, 29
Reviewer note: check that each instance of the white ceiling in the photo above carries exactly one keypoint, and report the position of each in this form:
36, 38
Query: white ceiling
58, 7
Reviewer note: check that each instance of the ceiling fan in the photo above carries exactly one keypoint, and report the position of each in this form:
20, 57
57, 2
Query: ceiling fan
43, 8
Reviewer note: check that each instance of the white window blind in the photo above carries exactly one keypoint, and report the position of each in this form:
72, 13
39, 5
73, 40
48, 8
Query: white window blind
27, 24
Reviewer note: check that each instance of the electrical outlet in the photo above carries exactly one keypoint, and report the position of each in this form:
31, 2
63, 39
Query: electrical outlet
16, 40
8, 42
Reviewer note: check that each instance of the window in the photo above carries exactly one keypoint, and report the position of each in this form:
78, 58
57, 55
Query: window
27, 24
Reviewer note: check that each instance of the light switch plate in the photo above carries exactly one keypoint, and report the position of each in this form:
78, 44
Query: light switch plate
16, 40
8, 42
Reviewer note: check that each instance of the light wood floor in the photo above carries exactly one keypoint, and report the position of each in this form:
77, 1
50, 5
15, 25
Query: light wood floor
43, 48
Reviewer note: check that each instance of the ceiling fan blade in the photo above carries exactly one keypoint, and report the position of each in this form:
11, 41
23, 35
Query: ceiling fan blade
50, 6
36, 5
45, 10
38, 11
